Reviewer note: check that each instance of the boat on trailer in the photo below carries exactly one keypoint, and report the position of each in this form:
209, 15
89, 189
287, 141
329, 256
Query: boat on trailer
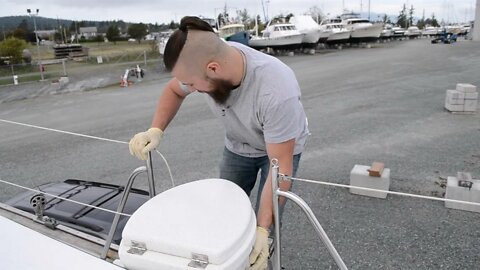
281, 36
362, 29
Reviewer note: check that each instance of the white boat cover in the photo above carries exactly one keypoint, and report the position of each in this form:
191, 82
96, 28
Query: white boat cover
24, 248
211, 217
304, 22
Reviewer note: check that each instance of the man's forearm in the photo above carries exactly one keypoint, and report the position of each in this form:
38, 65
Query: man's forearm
265, 211
167, 107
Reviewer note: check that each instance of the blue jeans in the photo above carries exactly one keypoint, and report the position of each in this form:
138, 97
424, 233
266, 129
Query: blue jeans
243, 171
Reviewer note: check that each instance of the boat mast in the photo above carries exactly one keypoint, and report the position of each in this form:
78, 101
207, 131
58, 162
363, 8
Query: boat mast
369, 10
264, 14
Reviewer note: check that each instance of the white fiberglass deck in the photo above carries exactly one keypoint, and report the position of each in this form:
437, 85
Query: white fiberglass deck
40, 252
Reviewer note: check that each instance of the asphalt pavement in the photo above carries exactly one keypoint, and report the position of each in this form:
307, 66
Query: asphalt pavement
382, 104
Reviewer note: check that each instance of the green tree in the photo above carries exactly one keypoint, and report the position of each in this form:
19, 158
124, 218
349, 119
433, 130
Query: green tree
410, 16
23, 25
113, 33
386, 19
244, 16
317, 14
434, 21
137, 31
13, 48
259, 24
20, 33
173, 25
421, 23
402, 17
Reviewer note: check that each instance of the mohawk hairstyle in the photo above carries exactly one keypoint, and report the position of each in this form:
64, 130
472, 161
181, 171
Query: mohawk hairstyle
177, 40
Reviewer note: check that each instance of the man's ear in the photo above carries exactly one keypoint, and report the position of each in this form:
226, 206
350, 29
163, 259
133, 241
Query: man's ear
213, 70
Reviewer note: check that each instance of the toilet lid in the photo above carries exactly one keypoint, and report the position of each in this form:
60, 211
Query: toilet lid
211, 217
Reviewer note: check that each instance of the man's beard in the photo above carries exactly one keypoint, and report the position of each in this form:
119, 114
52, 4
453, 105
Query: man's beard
221, 90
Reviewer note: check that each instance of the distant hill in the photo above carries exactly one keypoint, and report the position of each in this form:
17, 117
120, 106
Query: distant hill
9, 23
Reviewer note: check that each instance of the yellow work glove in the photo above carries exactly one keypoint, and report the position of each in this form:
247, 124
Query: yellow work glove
144, 142
259, 254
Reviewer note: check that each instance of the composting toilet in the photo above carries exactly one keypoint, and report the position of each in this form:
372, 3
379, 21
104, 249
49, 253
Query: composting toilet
206, 224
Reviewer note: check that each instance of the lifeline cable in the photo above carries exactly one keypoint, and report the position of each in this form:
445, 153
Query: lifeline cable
287, 177
87, 136
378, 190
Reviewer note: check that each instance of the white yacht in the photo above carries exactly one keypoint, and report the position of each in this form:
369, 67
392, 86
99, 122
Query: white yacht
413, 32
278, 36
398, 32
430, 31
387, 31
307, 26
362, 29
335, 32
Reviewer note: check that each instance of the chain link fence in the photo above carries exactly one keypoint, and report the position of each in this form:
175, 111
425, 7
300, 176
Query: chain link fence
100, 59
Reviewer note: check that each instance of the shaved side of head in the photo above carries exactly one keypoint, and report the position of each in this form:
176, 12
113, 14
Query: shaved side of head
201, 48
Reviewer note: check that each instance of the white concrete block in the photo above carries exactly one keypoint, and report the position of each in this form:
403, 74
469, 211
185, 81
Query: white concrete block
64, 80
455, 97
466, 87
456, 192
470, 105
454, 108
359, 177
471, 95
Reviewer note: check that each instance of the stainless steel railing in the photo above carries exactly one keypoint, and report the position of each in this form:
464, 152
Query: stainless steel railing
276, 193
151, 184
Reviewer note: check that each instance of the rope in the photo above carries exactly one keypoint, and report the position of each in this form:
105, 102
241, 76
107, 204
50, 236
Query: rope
85, 136
173, 183
378, 190
62, 131
64, 199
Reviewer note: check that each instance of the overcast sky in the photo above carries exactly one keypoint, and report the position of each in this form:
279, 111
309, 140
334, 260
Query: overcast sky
163, 11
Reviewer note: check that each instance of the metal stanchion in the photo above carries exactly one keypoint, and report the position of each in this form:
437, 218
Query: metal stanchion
148, 169
276, 192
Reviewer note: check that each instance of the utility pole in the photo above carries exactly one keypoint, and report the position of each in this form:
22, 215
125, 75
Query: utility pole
476, 27
36, 37
369, 10
76, 31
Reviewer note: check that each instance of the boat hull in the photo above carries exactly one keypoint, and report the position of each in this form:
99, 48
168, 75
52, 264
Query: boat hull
366, 34
310, 38
338, 38
290, 42
240, 37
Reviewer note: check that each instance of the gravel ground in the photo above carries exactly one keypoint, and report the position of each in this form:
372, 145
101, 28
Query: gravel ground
380, 104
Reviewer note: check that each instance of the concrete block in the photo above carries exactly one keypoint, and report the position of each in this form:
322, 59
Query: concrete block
471, 95
64, 80
454, 108
360, 177
470, 105
455, 97
466, 87
456, 192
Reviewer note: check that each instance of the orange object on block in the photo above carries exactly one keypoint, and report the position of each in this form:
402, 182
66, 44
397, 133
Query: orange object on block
376, 169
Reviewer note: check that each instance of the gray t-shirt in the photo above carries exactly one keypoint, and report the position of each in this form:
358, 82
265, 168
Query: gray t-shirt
265, 108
